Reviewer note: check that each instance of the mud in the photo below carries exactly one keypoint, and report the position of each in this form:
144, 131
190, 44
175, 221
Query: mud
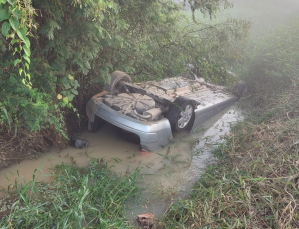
186, 160
166, 174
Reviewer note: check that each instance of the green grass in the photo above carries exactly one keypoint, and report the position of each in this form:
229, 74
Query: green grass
90, 197
255, 182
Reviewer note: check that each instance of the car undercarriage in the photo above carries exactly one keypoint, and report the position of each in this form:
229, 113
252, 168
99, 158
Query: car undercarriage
153, 109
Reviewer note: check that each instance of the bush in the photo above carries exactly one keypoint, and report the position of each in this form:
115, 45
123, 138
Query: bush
272, 65
61, 52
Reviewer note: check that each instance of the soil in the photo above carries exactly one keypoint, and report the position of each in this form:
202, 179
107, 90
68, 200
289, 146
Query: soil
21, 144
25, 145
8, 158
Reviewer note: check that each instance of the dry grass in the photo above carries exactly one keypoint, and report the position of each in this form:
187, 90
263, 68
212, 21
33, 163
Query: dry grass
256, 181
21, 144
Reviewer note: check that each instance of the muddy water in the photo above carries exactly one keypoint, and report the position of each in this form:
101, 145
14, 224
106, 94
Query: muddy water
166, 174
184, 161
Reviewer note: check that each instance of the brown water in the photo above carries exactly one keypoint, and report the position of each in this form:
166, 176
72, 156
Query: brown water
189, 156
166, 174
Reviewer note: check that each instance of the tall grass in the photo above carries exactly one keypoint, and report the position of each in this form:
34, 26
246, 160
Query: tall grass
272, 64
90, 197
256, 180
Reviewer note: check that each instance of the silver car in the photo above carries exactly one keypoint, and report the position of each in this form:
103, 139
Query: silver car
154, 109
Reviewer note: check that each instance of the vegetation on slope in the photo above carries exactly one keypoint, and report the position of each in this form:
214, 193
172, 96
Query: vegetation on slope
90, 197
253, 185
57, 54
255, 182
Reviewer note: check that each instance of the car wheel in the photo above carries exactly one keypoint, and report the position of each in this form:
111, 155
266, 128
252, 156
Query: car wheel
181, 114
117, 76
240, 89
95, 125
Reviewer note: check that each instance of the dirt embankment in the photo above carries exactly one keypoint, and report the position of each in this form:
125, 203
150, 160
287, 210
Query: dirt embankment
20, 144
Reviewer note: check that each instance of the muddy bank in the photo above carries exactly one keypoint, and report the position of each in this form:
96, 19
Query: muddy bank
175, 181
165, 175
17, 144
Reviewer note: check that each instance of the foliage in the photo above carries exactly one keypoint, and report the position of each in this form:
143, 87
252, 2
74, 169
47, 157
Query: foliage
255, 181
17, 21
74, 45
270, 53
90, 197
25, 106
210, 6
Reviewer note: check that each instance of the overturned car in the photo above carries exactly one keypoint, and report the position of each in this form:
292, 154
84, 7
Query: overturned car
154, 109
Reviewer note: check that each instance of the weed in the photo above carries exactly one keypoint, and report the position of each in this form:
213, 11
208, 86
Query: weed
255, 182
90, 197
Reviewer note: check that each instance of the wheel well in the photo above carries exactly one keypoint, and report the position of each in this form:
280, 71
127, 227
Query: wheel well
129, 136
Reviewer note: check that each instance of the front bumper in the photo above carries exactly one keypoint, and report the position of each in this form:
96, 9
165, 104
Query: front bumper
153, 135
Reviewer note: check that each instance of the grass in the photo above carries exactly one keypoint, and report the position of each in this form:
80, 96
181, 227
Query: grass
90, 197
254, 183
256, 180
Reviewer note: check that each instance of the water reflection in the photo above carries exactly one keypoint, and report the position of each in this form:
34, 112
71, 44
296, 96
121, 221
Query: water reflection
187, 158
166, 174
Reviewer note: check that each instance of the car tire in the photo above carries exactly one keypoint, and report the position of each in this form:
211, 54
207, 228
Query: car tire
116, 77
240, 89
95, 125
181, 114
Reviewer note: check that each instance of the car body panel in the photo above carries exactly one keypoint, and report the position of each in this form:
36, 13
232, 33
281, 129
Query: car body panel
209, 99
204, 113
153, 135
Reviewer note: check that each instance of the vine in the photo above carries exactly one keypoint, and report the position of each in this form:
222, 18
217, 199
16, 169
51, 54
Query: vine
17, 20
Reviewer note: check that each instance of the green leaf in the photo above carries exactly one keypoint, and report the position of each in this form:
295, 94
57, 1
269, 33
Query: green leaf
65, 100
4, 14
26, 58
8, 120
75, 92
27, 66
20, 70
3, 1
17, 13
74, 83
14, 23
21, 33
71, 97
13, 41
67, 85
16, 62
5, 28
27, 42
26, 50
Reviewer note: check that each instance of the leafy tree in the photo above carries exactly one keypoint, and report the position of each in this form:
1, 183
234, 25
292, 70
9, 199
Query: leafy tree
210, 7
59, 50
